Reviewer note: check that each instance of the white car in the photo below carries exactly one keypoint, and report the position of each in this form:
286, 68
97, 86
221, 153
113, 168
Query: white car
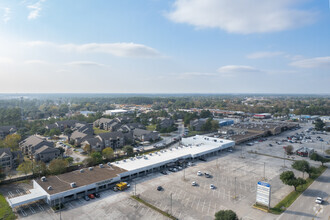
199, 173
194, 183
319, 200
212, 186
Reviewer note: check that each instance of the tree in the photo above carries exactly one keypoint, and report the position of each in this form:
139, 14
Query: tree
317, 157
327, 151
108, 153
226, 215
39, 167
54, 131
289, 149
128, 149
87, 148
69, 160
67, 131
205, 114
302, 165
25, 167
288, 178
96, 157
11, 141
58, 166
61, 150
319, 124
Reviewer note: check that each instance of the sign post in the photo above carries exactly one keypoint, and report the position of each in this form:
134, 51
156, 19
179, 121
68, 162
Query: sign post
263, 193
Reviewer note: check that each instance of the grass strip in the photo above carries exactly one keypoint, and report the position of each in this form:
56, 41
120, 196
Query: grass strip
154, 207
289, 199
5, 210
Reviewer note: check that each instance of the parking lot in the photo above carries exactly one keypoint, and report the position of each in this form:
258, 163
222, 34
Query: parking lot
234, 175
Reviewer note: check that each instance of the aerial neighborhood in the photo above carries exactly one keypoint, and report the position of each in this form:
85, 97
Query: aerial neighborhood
70, 156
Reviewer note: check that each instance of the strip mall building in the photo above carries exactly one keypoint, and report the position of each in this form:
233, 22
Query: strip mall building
69, 186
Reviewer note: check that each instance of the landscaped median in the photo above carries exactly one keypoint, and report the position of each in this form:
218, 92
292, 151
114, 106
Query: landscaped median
154, 207
289, 199
5, 211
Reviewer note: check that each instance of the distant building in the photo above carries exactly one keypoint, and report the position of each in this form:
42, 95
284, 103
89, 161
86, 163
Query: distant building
117, 112
145, 135
224, 122
6, 130
262, 116
197, 124
86, 113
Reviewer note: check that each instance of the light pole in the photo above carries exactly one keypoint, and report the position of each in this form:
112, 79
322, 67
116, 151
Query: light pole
235, 188
134, 188
264, 170
171, 203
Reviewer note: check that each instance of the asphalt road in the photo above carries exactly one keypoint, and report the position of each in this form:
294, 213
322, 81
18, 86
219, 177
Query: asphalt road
305, 207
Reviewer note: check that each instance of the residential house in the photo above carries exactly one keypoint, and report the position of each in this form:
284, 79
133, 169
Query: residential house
9, 159
130, 127
6, 130
145, 135
165, 122
62, 125
33, 143
197, 124
46, 153
114, 140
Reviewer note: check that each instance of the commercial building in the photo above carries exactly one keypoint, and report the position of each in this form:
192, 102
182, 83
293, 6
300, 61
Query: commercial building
69, 186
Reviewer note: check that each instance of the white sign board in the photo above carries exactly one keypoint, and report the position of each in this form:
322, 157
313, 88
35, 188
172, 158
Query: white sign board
263, 193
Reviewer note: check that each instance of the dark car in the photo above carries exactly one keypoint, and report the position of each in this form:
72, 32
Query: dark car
163, 172
270, 145
202, 159
159, 188
86, 198
97, 195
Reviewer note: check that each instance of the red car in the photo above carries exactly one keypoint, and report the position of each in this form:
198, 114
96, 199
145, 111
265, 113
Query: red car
91, 196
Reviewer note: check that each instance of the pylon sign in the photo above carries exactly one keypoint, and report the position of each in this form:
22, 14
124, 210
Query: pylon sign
263, 193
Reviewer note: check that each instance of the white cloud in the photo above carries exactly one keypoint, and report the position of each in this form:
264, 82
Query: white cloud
6, 14
6, 60
35, 62
317, 62
242, 16
35, 9
116, 49
85, 63
237, 69
264, 54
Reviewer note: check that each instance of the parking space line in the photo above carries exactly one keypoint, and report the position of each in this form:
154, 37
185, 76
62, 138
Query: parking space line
198, 202
23, 212
71, 206
203, 206
19, 192
208, 211
32, 210
40, 207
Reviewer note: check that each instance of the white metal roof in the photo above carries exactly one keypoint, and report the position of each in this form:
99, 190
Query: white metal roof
193, 148
34, 195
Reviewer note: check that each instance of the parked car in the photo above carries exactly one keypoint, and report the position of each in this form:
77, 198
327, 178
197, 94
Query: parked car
212, 186
159, 188
163, 172
202, 159
97, 195
199, 173
91, 196
319, 200
207, 175
86, 198
194, 183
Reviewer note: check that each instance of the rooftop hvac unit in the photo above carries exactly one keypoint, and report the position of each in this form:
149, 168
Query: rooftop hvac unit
150, 154
109, 164
90, 168
101, 165
73, 185
43, 179
124, 160
82, 170
49, 187
117, 162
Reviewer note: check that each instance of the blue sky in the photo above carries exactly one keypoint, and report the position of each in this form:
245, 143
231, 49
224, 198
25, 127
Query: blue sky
155, 46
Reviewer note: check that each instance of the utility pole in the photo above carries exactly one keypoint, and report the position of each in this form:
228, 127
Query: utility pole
60, 209
235, 188
171, 203
184, 174
284, 159
264, 170
134, 188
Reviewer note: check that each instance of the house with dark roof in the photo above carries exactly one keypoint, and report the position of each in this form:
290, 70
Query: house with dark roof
46, 153
197, 124
112, 139
165, 122
33, 143
130, 127
6, 130
145, 135
9, 159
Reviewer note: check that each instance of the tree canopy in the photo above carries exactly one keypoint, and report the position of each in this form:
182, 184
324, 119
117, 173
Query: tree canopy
108, 153
317, 157
58, 166
288, 178
301, 165
226, 215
